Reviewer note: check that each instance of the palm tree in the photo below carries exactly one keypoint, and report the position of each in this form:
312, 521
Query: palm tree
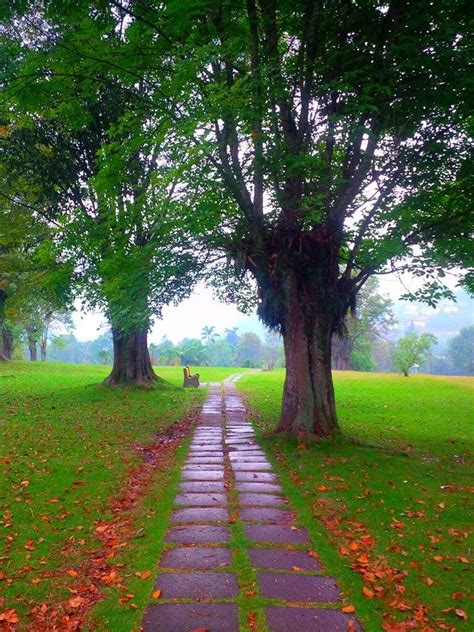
208, 334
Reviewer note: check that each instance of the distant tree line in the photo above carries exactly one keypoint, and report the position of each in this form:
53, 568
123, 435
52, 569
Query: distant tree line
370, 352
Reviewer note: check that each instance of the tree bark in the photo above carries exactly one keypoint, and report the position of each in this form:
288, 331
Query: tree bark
44, 336
32, 345
342, 349
132, 363
6, 339
33, 350
308, 396
6, 348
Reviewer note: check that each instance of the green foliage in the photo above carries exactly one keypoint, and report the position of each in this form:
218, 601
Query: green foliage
413, 349
74, 442
461, 350
405, 453
249, 350
371, 320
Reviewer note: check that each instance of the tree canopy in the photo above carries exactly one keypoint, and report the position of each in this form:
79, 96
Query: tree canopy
312, 144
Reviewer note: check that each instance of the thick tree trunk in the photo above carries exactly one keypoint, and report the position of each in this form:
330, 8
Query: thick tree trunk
6, 340
308, 397
342, 349
44, 337
32, 346
132, 363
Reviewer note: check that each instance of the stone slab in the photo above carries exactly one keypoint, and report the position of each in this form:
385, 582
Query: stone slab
267, 515
167, 617
276, 534
283, 559
202, 455
202, 467
256, 488
259, 477
282, 619
245, 458
297, 587
263, 500
214, 499
260, 466
197, 585
200, 514
243, 448
196, 475
206, 446
205, 460
196, 558
202, 486
197, 534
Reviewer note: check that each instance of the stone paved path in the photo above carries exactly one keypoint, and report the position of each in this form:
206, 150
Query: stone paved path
198, 589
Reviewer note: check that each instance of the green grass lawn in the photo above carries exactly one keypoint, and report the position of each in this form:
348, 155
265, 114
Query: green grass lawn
67, 445
389, 503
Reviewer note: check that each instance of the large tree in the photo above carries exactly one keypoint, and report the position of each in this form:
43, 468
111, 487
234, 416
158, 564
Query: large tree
328, 140
81, 144
370, 320
339, 133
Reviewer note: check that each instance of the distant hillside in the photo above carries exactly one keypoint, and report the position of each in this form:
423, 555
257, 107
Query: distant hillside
444, 322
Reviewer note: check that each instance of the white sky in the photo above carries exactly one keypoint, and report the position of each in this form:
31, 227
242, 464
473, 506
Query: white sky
187, 319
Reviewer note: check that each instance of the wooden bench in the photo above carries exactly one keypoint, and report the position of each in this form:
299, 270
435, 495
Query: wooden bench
190, 380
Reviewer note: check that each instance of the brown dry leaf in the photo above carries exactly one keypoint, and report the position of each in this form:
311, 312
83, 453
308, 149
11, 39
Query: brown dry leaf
456, 595
252, 621
72, 573
438, 558
53, 500
368, 592
464, 560
9, 616
156, 594
428, 581
296, 568
102, 528
76, 602
441, 505
461, 614
110, 578
353, 546
322, 488
348, 609
143, 575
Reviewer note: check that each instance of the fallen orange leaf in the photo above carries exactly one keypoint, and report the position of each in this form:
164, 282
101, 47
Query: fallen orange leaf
76, 602
348, 609
156, 594
9, 616
367, 592
461, 614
